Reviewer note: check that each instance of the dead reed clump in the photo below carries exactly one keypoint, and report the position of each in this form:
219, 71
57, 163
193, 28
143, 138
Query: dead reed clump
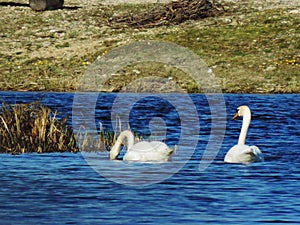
32, 127
175, 12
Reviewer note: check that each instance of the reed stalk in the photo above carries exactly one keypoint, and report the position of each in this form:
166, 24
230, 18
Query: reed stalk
33, 127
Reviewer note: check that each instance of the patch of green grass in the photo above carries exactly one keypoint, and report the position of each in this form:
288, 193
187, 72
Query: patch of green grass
247, 51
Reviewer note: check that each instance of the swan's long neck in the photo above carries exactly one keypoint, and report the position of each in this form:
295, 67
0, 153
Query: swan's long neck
115, 150
245, 126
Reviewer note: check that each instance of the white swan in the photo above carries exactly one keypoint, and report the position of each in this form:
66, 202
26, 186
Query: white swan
154, 151
242, 153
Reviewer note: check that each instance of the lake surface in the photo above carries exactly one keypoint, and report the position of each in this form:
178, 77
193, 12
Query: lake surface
195, 188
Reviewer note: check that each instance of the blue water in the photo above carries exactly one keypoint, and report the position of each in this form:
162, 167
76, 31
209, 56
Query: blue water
73, 189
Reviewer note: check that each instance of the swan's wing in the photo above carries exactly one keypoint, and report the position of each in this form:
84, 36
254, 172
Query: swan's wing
162, 148
256, 154
243, 154
149, 152
158, 145
143, 146
251, 154
153, 146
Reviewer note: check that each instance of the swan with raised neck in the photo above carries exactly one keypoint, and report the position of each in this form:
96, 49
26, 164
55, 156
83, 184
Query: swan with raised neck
242, 153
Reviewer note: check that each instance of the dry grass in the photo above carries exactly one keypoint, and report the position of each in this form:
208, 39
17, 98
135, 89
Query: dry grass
34, 128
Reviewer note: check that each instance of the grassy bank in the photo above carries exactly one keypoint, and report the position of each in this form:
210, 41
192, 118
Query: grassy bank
252, 47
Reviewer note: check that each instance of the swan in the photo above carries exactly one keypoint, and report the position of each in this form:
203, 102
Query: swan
144, 151
242, 153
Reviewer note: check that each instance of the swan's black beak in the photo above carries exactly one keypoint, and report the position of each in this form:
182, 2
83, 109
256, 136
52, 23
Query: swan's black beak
236, 115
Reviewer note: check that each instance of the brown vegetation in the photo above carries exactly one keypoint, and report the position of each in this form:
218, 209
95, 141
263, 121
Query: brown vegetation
175, 12
34, 128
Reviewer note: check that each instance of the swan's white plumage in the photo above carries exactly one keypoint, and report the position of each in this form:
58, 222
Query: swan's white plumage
144, 151
242, 153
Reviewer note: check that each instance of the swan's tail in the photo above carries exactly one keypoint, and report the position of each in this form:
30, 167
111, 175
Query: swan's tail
169, 152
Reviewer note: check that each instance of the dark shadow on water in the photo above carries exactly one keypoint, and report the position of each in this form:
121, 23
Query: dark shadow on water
16, 4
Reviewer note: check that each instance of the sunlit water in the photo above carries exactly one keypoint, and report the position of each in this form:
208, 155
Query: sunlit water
66, 189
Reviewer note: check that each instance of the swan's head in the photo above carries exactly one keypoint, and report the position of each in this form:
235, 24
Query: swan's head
241, 111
